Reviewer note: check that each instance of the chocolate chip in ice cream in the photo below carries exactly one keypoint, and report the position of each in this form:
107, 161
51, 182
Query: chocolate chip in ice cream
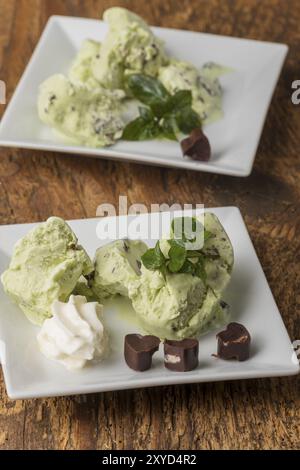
126, 247
181, 356
196, 146
234, 342
138, 351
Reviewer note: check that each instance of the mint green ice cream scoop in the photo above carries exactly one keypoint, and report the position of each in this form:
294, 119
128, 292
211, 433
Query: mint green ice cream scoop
181, 305
45, 266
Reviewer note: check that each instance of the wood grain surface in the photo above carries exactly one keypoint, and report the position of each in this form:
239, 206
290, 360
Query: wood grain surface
255, 414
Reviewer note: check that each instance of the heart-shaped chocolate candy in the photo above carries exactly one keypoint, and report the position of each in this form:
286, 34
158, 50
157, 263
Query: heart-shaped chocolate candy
234, 342
138, 351
181, 356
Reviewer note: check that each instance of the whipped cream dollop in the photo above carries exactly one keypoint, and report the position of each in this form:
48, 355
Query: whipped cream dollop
75, 334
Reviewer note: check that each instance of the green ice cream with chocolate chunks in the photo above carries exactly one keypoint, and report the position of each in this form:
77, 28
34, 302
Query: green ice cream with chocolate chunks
83, 289
204, 84
86, 115
165, 305
45, 266
81, 71
129, 47
181, 305
117, 264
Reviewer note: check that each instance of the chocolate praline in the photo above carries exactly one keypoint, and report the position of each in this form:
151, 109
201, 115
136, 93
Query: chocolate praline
138, 351
181, 356
234, 342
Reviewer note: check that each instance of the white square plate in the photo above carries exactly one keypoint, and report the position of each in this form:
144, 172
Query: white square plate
234, 139
28, 374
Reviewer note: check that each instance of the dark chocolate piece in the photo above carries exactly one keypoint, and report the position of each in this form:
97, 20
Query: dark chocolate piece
90, 277
139, 265
138, 351
225, 309
234, 342
181, 356
196, 146
224, 305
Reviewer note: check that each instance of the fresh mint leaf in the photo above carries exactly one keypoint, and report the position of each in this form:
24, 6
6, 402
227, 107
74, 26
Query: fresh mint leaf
146, 113
188, 267
148, 90
153, 259
141, 129
193, 254
168, 126
200, 269
160, 109
180, 100
174, 243
177, 255
186, 228
158, 251
187, 120
179, 259
163, 270
164, 115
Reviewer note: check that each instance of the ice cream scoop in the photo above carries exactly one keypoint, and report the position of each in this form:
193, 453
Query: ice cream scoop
117, 264
204, 84
85, 115
180, 305
129, 47
81, 69
45, 266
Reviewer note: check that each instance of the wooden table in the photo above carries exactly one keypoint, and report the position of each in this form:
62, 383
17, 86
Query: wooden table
258, 414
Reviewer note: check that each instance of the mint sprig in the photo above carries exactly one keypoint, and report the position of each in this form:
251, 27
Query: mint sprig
177, 256
165, 115
187, 229
153, 259
179, 259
